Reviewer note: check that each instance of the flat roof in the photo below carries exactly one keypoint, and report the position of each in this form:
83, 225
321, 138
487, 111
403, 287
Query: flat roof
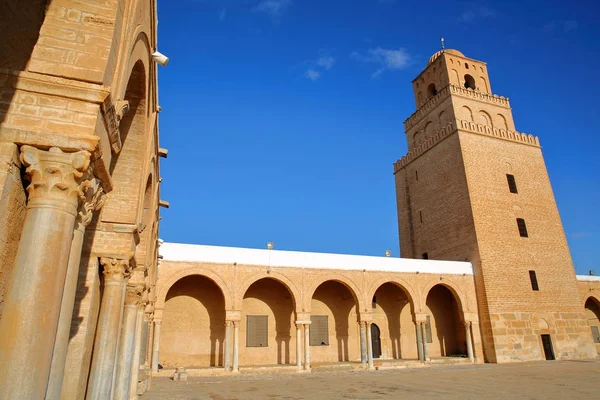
588, 278
298, 259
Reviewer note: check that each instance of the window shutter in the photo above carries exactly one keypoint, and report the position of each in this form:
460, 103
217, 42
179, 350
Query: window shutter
319, 330
257, 331
428, 336
595, 334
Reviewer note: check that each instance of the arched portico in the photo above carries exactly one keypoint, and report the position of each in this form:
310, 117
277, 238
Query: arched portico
444, 333
393, 312
335, 335
193, 325
267, 324
592, 316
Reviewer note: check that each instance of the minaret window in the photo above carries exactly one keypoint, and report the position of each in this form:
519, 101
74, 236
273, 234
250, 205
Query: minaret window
522, 227
512, 183
470, 82
534, 282
431, 90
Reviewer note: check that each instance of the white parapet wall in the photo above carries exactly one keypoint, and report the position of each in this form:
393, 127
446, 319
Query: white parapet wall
588, 278
297, 259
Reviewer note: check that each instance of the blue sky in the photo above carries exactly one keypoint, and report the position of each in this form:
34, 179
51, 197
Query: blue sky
283, 117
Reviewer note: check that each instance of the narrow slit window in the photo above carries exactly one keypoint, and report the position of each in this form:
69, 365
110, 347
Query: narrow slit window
425, 256
417, 175
534, 282
319, 330
421, 216
512, 183
522, 227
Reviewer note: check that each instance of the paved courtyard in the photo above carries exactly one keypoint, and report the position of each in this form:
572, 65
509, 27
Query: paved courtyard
562, 380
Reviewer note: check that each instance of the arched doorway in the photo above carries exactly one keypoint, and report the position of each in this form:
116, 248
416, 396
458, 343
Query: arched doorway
193, 328
444, 334
376, 340
333, 310
267, 324
392, 311
592, 314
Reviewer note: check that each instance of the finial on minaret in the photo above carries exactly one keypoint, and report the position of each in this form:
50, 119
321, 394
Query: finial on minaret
442, 40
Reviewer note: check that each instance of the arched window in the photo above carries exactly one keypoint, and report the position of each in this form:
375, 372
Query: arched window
431, 90
466, 66
470, 82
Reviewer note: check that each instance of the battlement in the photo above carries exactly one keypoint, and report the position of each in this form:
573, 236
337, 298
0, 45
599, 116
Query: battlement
469, 126
453, 89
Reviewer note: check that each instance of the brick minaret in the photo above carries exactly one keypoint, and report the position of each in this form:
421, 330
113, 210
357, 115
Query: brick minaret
472, 188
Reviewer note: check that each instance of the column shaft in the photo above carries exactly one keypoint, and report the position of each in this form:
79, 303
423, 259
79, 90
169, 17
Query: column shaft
236, 346
299, 346
32, 304
419, 342
307, 347
125, 355
135, 366
363, 344
227, 360
469, 341
107, 333
155, 346
59, 355
369, 346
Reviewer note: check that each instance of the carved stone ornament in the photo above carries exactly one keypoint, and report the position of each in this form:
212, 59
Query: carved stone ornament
55, 176
115, 269
92, 199
133, 294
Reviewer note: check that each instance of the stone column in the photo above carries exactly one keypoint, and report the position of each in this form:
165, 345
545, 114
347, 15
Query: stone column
419, 342
363, 344
116, 273
424, 336
307, 347
236, 346
32, 305
94, 199
227, 358
135, 366
369, 346
127, 343
155, 345
469, 341
299, 346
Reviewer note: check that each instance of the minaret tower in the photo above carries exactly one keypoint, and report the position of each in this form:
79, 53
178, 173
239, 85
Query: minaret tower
473, 188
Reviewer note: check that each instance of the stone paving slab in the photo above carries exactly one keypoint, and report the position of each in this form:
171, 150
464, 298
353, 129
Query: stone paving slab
561, 380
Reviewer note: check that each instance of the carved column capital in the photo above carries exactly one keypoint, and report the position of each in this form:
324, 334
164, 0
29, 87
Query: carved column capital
133, 295
55, 177
92, 199
115, 269
228, 323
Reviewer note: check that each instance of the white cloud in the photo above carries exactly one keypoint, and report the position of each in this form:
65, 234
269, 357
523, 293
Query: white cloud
326, 62
477, 12
275, 8
312, 74
388, 59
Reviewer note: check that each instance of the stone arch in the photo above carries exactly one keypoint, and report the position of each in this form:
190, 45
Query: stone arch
172, 279
467, 113
139, 51
445, 315
502, 122
393, 310
351, 286
279, 277
459, 296
402, 284
442, 118
122, 205
485, 118
428, 128
455, 78
484, 85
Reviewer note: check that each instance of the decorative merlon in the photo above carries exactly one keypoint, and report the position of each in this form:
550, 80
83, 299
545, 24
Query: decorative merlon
457, 90
473, 127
